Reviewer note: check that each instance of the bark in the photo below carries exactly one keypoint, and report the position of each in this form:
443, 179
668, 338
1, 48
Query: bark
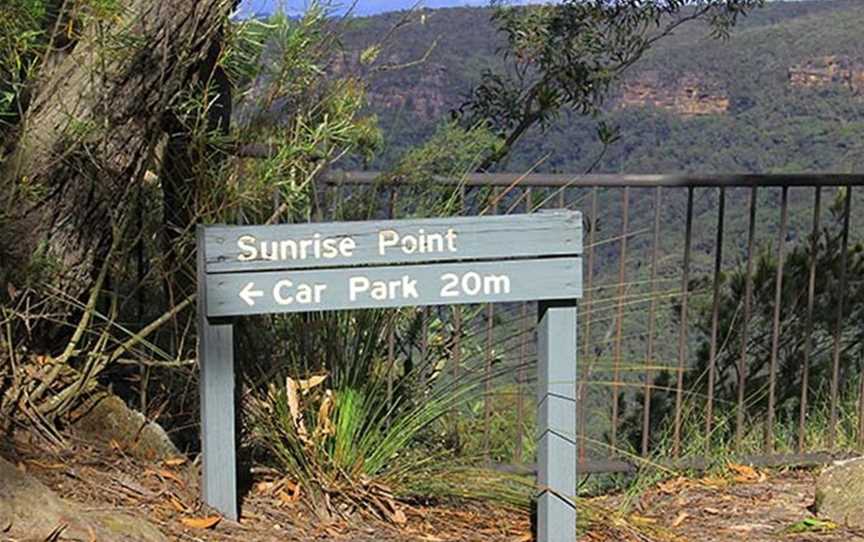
94, 119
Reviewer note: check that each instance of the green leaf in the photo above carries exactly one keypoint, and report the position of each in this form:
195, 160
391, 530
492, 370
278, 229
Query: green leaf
370, 54
811, 525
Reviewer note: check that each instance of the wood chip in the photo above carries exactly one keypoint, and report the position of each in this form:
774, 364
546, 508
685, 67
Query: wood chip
673, 486
161, 473
201, 523
177, 504
680, 519
264, 487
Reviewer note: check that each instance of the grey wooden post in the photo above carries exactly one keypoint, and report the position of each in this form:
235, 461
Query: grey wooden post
556, 421
216, 364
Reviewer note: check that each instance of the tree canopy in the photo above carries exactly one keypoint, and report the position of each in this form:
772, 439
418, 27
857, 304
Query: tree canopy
567, 55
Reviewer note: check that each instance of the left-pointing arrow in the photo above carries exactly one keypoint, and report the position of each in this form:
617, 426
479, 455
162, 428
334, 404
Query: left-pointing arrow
248, 295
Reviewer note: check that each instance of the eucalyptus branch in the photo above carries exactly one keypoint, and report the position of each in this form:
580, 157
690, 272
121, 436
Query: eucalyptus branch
60, 401
87, 375
72, 346
409, 64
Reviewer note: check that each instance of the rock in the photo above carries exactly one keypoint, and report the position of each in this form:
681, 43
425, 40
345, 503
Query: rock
840, 493
30, 510
689, 96
107, 418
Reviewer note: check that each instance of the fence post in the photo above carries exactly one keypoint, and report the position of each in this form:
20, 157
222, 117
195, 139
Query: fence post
556, 421
487, 369
521, 373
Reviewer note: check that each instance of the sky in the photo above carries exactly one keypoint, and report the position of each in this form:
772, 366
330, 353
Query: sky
363, 7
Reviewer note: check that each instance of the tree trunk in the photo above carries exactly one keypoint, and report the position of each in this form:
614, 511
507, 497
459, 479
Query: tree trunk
94, 120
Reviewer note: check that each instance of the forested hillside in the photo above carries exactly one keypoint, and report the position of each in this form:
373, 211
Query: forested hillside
784, 93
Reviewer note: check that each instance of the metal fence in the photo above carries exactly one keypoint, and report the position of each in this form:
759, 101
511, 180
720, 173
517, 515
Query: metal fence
658, 249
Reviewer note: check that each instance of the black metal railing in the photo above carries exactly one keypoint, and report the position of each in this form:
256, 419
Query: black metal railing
632, 221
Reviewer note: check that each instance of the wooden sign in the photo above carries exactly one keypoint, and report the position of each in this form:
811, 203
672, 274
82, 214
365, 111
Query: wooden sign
394, 286
246, 270
231, 249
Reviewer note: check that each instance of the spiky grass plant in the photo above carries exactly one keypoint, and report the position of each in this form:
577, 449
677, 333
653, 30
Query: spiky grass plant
357, 431
350, 407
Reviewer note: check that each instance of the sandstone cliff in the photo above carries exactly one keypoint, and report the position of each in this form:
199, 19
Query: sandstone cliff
831, 70
690, 95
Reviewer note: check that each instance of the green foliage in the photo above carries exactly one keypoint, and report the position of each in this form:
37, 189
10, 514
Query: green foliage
364, 429
504, 429
21, 42
40, 267
452, 153
811, 525
245, 42
770, 127
568, 55
284, 100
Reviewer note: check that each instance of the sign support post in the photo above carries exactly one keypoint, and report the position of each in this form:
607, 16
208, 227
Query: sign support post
216, 365
556, 421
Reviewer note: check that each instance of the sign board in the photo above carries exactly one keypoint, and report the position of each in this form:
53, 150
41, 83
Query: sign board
393, 286
232, 249
246, 270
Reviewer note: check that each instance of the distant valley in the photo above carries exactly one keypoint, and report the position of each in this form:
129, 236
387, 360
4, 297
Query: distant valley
784, 93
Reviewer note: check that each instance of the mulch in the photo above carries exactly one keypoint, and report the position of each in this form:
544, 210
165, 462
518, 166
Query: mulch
167, 495
740, 505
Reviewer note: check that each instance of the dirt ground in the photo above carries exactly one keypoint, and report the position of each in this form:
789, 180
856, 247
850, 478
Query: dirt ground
166, 494
740, 505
